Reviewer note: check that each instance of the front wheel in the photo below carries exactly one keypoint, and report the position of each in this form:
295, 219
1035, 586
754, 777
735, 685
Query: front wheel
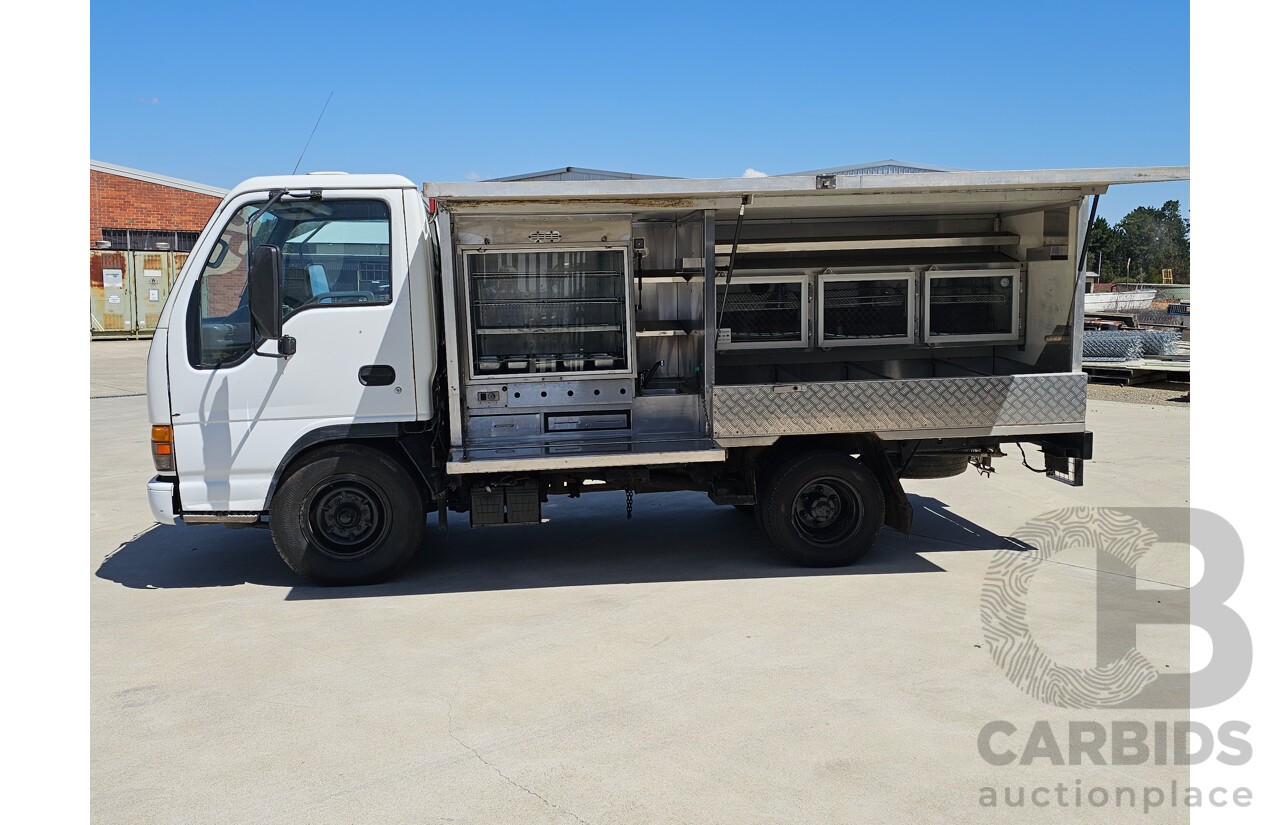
823, 509
348, 515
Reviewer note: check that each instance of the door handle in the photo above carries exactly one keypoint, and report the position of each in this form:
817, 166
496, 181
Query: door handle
377, 375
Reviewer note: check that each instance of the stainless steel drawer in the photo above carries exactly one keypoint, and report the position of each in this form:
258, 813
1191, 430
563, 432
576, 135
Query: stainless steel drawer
488, 427
565, 422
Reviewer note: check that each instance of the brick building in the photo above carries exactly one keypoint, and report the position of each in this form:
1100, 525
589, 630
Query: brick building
141, 227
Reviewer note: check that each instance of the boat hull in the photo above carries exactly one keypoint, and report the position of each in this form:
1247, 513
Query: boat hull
1119, 301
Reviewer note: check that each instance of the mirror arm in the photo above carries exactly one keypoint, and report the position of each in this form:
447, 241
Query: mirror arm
275, 196
288, 346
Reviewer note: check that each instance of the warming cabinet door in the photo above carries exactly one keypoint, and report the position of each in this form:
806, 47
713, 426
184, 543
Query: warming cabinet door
548, 311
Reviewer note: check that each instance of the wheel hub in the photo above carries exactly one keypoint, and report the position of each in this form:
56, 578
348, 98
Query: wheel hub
820, 505
826, 511
346, 512
347, 518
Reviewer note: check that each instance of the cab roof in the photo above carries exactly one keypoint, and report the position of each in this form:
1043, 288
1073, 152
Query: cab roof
323, 180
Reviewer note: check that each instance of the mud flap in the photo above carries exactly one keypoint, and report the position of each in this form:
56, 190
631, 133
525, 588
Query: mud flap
1065, 455
897, 509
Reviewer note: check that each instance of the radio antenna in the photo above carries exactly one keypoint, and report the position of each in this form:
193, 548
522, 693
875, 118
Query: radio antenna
313, 134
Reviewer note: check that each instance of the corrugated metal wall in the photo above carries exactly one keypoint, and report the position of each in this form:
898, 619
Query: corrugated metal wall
127, 290
579, 175
111, 293
879, 170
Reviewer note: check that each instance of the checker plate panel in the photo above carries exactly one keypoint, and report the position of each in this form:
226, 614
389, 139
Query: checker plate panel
905, 404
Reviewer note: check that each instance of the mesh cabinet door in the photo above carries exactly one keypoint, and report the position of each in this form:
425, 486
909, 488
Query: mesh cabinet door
866, 309
760, 312
972, 306
552, 311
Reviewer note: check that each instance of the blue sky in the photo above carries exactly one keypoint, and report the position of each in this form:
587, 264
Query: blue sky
446, 91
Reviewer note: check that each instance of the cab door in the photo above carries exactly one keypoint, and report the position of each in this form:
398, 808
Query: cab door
237, 412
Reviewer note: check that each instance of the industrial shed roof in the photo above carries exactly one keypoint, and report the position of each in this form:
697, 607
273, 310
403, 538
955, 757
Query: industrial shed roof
579, 173
152, 177
878, 167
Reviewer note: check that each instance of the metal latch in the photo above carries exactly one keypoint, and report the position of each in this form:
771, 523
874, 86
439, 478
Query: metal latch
826, 182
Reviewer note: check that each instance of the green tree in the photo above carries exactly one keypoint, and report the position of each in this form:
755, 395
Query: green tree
1144, 242
1106, 256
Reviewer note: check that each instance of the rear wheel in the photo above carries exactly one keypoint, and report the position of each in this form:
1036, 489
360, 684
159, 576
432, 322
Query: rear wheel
348, 515
823, 509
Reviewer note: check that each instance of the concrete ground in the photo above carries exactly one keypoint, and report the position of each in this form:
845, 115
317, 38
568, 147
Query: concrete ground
599, 670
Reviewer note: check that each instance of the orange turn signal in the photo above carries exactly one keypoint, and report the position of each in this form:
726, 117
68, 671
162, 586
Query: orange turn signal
162, 447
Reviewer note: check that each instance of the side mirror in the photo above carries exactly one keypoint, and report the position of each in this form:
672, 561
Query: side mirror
265, 306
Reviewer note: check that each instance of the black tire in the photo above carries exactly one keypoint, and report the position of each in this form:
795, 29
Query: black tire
347, 515
823, 509
935, 466
746, 509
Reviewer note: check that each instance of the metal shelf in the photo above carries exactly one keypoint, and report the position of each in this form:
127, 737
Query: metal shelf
657, 328
547, 274
967, 239
762, 307
869, 301
944, 300
790, 337
523, 301
549, 330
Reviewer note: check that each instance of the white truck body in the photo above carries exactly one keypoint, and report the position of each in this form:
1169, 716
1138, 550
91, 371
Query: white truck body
490, 344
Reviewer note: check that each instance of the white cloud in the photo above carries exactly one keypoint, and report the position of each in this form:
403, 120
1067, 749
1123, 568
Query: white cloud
473, 176
754, 173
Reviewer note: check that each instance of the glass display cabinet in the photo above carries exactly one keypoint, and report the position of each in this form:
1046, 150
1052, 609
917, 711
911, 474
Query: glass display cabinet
549, 311
865, 309
972, 305
762, 311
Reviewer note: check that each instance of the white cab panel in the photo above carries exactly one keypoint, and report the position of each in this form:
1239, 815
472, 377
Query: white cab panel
158, 378
234, 424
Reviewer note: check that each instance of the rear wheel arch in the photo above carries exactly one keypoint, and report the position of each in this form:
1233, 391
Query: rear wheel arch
788, 447
870, 450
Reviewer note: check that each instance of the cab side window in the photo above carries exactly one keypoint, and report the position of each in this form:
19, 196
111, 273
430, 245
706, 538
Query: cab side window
334, 253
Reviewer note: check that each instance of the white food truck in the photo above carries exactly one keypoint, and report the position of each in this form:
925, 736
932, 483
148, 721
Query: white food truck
342, 354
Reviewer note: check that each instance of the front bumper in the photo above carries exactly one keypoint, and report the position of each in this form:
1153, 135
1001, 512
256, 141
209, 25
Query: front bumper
160, 497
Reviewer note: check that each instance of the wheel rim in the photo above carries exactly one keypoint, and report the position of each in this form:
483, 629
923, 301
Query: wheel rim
347, 517
826, 511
